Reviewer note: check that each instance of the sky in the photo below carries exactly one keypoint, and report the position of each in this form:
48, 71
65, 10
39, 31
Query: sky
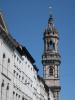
26, 20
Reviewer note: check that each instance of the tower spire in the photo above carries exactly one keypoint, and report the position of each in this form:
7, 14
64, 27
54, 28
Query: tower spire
51, 58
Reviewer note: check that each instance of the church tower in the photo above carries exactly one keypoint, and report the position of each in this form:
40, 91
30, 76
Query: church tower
51, 58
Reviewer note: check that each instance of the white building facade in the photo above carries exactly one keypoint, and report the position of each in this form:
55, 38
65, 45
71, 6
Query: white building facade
19, 79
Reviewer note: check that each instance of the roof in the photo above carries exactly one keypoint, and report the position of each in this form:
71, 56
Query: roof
43, 81
35, 67
2, 22
23, 51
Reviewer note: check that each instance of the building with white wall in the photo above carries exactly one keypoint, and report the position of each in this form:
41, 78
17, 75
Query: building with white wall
19, 79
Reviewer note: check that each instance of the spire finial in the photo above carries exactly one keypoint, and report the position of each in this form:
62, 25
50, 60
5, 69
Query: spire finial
50, 20
50, 8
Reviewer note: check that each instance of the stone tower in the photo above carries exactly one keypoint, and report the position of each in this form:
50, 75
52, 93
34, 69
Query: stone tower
51, 59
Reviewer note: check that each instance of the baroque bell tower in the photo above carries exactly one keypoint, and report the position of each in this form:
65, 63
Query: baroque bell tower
51, 59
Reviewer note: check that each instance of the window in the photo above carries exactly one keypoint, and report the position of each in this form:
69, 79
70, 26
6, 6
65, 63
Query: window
3, 55
8, 60
22, 98
51, 45
14, 71
51, 70
31, 68
22, 77
2, 85
26, 62
31, 85
13, 92
15, 56
16, 94
7, 88
57, 72
19, 96
19, 62
19, 76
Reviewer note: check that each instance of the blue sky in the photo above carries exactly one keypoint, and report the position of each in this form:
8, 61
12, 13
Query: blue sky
26, 21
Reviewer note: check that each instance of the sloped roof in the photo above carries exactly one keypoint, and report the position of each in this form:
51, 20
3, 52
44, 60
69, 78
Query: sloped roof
23, 51
2, 22
36, 68
43, 81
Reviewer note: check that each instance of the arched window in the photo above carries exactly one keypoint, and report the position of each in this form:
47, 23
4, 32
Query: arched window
22, 98
8, 60
52, 46
2, 85
3, 55
51, 70
7, 88
13, 95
